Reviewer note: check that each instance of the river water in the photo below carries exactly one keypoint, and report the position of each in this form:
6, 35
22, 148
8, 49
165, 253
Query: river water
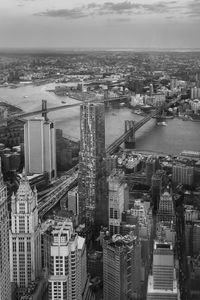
176, 136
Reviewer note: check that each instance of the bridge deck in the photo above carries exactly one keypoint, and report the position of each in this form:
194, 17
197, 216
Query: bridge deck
113, 147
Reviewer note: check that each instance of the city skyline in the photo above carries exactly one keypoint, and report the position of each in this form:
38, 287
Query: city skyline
96, 24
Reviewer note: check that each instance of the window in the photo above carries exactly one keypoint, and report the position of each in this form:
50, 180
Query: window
29, 246
21, 247
21, 224
111, 213
14, 247
21, 207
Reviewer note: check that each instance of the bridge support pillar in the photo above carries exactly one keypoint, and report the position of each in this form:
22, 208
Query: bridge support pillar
44, 109
130, 142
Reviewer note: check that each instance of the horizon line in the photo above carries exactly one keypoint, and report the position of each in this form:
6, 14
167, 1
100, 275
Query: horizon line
79, 48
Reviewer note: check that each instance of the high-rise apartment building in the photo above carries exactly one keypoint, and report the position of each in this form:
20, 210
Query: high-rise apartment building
195, 92
162, 284
40, 147
68, 271
118, 196
92, 180
5, 286
183, 174
121, 267
150, 169
25, 239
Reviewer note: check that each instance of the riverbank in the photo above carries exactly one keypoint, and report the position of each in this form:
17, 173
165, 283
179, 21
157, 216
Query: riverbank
167, 139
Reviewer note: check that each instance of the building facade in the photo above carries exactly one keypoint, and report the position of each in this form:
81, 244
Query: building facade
92, 179
166, 212
68, 271
118, 196
195, 93
25, 239
40, 147
121, 267
162, 284
183, 174
5, 286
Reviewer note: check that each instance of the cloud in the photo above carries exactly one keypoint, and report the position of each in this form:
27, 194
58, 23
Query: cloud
193, 9
111, 8
75, 13
127, 7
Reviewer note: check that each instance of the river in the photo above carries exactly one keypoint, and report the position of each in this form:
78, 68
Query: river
176, 136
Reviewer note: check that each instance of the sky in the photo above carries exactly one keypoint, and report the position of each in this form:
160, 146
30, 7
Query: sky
99, 24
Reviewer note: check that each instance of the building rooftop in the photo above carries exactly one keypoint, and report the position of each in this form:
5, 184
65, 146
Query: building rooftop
81, 242
151, 290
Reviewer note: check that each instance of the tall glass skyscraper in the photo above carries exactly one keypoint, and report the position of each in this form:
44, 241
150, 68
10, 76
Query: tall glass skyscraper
92, 179
40, 147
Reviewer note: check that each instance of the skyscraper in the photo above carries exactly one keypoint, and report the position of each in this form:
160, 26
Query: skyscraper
156, 186
68, 271
118, 196
5, 287
92, 180
40, 147
182, 174
162, 284
25, 239
150, 169
121, 267
166, 213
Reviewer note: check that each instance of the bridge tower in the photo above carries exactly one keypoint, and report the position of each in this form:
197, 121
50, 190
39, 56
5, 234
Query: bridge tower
130, 141
44, 109
161, 116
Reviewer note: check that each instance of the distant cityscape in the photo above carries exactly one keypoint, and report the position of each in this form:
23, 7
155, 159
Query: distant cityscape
83, 220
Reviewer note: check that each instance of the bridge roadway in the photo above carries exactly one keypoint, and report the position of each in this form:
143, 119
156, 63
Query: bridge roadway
50, 199
50, 109
113, 147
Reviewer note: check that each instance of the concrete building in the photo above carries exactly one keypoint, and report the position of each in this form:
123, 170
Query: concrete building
190, 213
150, 169
162, 284
156, 187
25, 239
73, 201
182, 174
118, 196
121, 267
141, 211
68, 271
40, 147
166, 212
195, 105
92, 179
158, 99
173, 83
196, 238
194, 277
195, 93
5, 286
